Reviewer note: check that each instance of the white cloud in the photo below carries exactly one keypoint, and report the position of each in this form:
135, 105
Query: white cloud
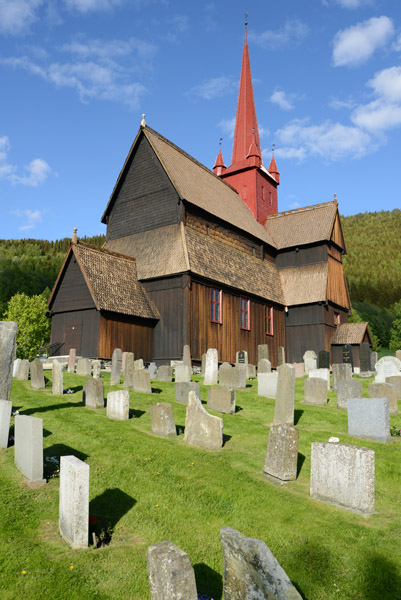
104, 50
293, 32
214, 88
387, 83
16, 16
37, 170
85, 6
384, 112
397, 44
281, 99
349, 3
355, 45
227, 126
294, 205
337, 104
31, 217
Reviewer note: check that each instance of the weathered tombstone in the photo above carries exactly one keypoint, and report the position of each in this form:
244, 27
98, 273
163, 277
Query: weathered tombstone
171, 576
74, 501
57, 379
241, 357
369, 418
395, 380
398, 354
186, 356
211, 367
322, 374
344, 475
315, 391
324, 359
84, 367
93, 393
138, 364
364, 353
16, 364
202, 429
224, 365
162, 419
203, 364
221, 399
28, 439
129, 370
152, 370
116, 367
347, 357
183, 373
267, 384
123, 361
97, 366
251, 571
234, 377
37, 376
264, 366
141, 382
341, 371
347, 389
251, 371
281, 356
182, 389
388, 366
22, 371
71, 360
8, 334
282, 452
284, 409
373, 360
384, 390
118, 405
263, 352
165, 373
5, 417
299, 369
310, 361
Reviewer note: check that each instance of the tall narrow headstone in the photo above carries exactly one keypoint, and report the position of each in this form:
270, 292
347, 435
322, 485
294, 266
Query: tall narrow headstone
171, 576
138, 364
324, 359
162, 419
93, 393
71, 360
16, 364
123, 359
57, 379
74, 501
284, 409
263, 351
8, 334
129, 369
118, 405
202, 429
5, 417
347, 357
282, 452
141, 382
211, 367
203, 364
22, 372
28, 436
281, 356
384, 390
152, 370
364, 353
347, 389
373, 360
84, 367
186, 357
116, 366
37, 376
310, 361
97, 366
395, 380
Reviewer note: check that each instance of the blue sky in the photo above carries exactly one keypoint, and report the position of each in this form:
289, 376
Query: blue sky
76, 76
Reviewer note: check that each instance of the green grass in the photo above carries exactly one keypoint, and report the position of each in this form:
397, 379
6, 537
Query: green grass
145, 489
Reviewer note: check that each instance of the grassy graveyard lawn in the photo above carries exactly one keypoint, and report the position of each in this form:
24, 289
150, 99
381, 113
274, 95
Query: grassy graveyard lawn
145, 489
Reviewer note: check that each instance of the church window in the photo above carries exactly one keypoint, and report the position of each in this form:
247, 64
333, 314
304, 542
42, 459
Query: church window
215, 305
337, 319
244, 309
268, 320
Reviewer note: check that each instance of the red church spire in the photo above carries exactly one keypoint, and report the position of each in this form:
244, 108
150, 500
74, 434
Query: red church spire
219, 165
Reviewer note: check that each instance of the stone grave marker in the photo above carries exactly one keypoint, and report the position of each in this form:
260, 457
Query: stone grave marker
8, 334
129, 370
282, 452
310, 361
344, 475
202, 429
234, 377
141, 382
384, 390
264, 366
57, 379
395, 380
398, 354
71, 360
37, 376
97, 366
22, 371
171, 576
299, 369
74, 501
165, 373
324, 359
183, 373
364, 353
241, 357
322, 374
369, 418
118, 405
152, 370
373, 360
16, 364
280, 356
138, 364
315, 391
116, 366
162, 419
84, 367
93, 393
203, 364
284, 409
5, 417
123, 360
186, 357
341, 371
251, 371
182, 389
267, 384
28, 456
211, 367
221, 399
263, 352
388, 366
347, 389
347, 355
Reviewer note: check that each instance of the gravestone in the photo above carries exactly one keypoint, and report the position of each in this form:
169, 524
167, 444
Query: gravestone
203, 364
116, 366
28, 446
138, 364
395, 380
5, 417
299, 369
263, 352
284, 408
71, 360
364, 353
74, 501
93, 393
373, 360
183, 373
280, 356
118, 405
347, 357
341, 371
264, 366
221, 399
129, 370
388, 366
162, 419
234, 377
369, 418
241, 357
141, 382
347, 389
282, 452
398, 354
16, 364
315, 391
267, 384
202, 429
152, 370
8, 333
324, 359
57, 379
84, 367
22, 371
171, 576
384, 390
310, 361
123, 361
97, 366
37, 376
251, 572
211, 367
165, 373
251, 371
186, 357
322, 374
344, 475
182, 390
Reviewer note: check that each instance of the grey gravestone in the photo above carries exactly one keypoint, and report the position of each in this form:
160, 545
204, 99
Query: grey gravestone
183, 373
37, 377
388, 366
211, 367
251, 371
74, 501
186, 357
364, 353
315, 391
347, 389
28, 436
395, 380
343, 475
165, 373
141, 382
171, 576
267, 384
84, 367
162, 419
225, 365
251, 572
118, 405
203, 364
264, 366
341, 371
241, 357
97, 366
123, 361
310, 361
299, 369
16, 364
373, 360
324, 359
182, 389
369, 418
116, 367
71, 360
202, 429
93, 393
22, 371
398, 354
235, 377
347, 355
129, 370
152, 370
284, 409
281, 356
138, 364
384, 390
8, 334
57, 379
221, 399
5, 417
322, 374
282, 452
263, 351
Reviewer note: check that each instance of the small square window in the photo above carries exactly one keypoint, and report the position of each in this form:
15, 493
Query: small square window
215, 305
268, 320
337, 319
244, 310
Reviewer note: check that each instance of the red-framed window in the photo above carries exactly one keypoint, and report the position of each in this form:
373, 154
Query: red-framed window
268, 320
244, 310
215, 305
337, 319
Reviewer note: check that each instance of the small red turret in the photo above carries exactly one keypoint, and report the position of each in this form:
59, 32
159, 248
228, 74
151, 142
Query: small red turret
219, 165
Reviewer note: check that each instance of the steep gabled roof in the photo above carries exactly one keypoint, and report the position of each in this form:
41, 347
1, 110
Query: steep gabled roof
304, 284
351, 333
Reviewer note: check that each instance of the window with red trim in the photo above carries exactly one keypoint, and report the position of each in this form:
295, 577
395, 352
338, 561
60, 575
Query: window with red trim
244, 309
337, 318
268, 320
215, 305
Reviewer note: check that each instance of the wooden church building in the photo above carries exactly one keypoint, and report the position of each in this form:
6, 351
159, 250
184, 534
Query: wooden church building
200, 257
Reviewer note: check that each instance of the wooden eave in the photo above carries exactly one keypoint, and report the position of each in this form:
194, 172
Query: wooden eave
337, 225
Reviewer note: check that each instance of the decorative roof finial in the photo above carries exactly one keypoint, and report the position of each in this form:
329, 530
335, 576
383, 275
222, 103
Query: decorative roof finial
273, 146
335, 197
220, 140
246, 19
74, 238
143, 122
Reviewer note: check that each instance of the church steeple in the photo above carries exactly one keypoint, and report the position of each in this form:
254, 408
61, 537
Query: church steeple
219, 165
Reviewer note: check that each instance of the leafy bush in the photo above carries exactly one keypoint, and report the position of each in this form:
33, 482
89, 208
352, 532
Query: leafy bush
33, 325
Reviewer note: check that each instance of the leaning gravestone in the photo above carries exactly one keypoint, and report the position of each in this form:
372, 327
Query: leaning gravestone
93, 393
263, 351
57, 379
116, 367
373, 360
341, 371
202, 429
183, 373
251, 572
171, 576
211, 367
384, 390
28, 436
324, 359
162, 419
267, 384
344, 475
37, 376
234, 377
347, 355
186, 356
281, 356
123, 361
221, 399
182, 390
118, 405
264, 366
71, 360
364, 353
369, 418
284, 409
141, 382
347, 389
84, 367
395, 380
165, 373
22, 371
322, 374
315, 391
310, 361
8, 334
97, 366
74, 501
388, 366
129, 370
5, 417
282, 452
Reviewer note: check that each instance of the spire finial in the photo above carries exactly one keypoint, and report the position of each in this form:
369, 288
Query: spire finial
220, 140
335, 197
246, 19
74, 238
273, 146
143, 122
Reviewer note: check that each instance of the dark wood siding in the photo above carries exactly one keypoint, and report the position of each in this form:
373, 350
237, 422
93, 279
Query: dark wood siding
77, 329
131, 334
72, 293
304, 256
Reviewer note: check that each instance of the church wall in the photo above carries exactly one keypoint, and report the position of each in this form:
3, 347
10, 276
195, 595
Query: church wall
72, 293
77, 329
303, 256
131, 334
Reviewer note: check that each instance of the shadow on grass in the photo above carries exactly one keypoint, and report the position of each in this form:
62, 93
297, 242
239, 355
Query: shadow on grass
208, 582
104, 513
380, 578
156, 390
297, 415
300, 461
180, 429
74, 388
238, 408
226, 438
32, 411
51, 458
135, 414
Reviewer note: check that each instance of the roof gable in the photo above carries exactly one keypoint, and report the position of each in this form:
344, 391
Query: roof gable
351, 333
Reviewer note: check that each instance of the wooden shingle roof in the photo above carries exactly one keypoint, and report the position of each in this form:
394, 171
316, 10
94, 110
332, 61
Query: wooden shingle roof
350, 333
304, 284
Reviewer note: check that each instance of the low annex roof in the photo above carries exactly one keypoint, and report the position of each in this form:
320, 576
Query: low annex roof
304, 284
351, 333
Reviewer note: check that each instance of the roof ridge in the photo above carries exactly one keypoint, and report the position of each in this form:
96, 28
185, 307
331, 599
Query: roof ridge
302, 209
104, 250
